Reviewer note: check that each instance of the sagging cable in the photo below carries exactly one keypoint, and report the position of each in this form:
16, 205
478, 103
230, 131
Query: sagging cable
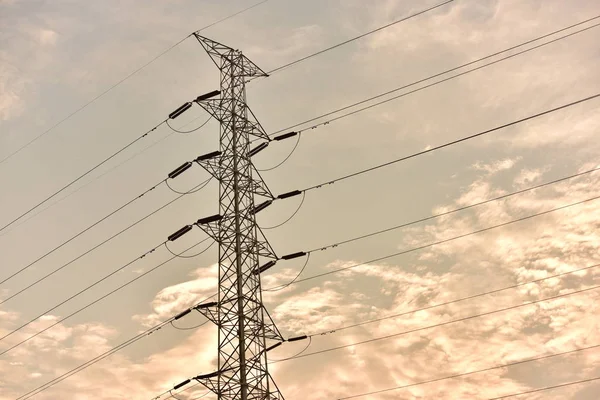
193, 190
191, 130
278, 288
180, 255
291, 216
291, 134
298, 338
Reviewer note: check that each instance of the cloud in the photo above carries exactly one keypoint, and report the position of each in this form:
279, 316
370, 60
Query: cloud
12, 87
48, 37
174, 299
496, 167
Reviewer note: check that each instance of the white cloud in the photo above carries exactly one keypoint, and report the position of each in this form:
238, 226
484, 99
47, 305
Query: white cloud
495, 167
47, 37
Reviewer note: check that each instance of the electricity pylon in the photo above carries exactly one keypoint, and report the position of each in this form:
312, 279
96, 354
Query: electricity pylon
244, 324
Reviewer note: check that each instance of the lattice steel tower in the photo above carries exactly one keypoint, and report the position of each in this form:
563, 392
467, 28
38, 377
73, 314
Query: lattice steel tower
243, 323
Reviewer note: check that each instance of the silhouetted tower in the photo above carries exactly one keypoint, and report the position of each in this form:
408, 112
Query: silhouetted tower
244, 324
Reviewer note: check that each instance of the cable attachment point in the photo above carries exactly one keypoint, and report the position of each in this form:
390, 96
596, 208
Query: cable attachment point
180, 110
210, 225
180, 233
180, 170
210, 311
211, 162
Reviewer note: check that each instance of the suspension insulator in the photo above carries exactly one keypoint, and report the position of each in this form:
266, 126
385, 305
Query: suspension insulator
180, 170
180, 110
293, 255
180, 233
207, 95
285, 136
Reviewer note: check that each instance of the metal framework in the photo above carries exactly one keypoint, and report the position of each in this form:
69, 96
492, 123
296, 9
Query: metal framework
243, 323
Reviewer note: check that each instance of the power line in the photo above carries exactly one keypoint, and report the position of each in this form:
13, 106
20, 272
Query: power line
82, 291
482, 294
95, 301
464, 139
358, 37
6, 232
363, 101
296, 280
463, 374
81, 233
470, 317
49, 274
168, 321
413, 249
104, 355
469, 206
448, 144
438, 75
123, 80
89, 171
318, 186
547, 388
171, 390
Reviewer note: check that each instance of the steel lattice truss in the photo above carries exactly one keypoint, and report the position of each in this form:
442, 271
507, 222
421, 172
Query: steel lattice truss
244, 324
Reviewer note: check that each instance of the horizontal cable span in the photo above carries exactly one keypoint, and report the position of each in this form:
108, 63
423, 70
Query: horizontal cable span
470, 317
454, 142
63, 266
104, 355
459, 209
81, 233
358, 37
95, 301
476, 232
506, 396
440, 74
89, 171
123, 80
463, 374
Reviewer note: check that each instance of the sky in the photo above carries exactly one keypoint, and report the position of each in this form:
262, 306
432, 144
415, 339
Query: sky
56, 56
